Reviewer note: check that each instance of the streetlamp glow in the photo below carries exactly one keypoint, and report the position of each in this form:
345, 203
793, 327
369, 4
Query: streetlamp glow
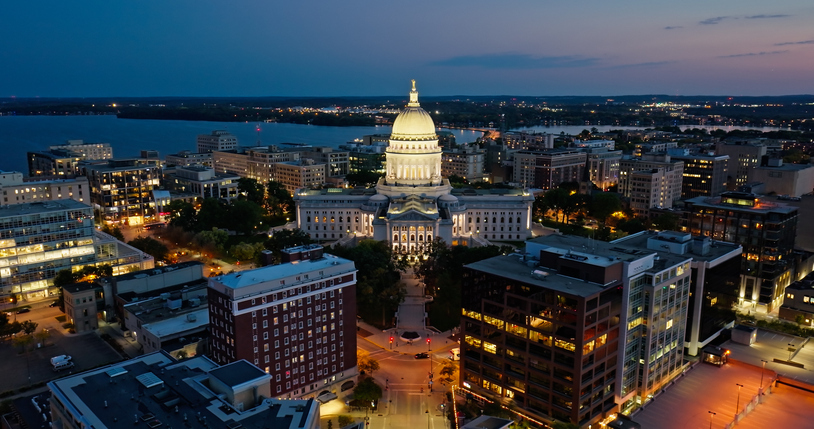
761, 375
738, 403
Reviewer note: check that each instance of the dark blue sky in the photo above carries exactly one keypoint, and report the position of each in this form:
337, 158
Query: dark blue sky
451, 47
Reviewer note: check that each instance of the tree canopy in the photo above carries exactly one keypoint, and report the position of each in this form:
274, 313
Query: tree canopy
367, 391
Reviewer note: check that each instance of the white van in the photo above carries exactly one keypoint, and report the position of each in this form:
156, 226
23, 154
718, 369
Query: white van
61, 358
59, 366
455, 354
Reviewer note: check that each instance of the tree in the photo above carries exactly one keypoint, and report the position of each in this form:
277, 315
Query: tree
284, 239
363, 178
212, 240
29, 327
182, 215
556, 199
246, 251
344, 420
213, 214
603, 205
279, 201
42, 336
666, 222
251, 190
245, 216
63, 278
367, 391
449, 372
115, 232
150, 246
22, 341
365, 363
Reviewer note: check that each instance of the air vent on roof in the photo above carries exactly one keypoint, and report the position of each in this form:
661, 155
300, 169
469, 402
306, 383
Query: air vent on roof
148, 379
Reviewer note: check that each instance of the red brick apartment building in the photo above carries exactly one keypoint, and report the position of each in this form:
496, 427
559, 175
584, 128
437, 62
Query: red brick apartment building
295, 321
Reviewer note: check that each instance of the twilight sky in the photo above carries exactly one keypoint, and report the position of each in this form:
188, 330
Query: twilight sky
451, 47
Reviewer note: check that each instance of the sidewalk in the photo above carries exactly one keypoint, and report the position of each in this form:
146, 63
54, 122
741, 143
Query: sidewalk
130, 346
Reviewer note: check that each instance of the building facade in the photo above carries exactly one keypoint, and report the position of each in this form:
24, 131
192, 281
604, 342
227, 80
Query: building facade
122, 189
186, 157
743, 157
548, 169
54, 163
86, 150
704, 175
765, 229
413, 203
39, 239
465, 161
17, 190
296, 321
603, 167
218, 140
202, 181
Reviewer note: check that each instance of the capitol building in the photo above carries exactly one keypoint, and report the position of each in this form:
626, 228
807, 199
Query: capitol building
412, 204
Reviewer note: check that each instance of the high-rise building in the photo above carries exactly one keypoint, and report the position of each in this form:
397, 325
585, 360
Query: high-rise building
296, 321
156, 390
464, 161
704, 174
40, 239
548, 169
743, 156
575, 328
765, 229
218, 140
714, 284
122, 188
650, 181
603, 167
413, 204
57, 162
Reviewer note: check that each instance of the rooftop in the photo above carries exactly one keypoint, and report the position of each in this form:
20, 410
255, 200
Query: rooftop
717, 249
41, 207
156, 271
238, 373
159, 391
273, 272
514, 267
739, 202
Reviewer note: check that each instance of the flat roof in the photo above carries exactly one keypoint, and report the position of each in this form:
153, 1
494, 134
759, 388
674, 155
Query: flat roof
179, 323
717, 249
513, 267
156, 271
237, 373
273, 272
41, 207
763, 206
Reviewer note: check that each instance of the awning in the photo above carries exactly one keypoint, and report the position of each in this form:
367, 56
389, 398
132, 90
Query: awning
326, 397
347, 385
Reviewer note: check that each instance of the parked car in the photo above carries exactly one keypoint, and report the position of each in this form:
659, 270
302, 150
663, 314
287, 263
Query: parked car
23, 310
422, 356
61, 358
54, 304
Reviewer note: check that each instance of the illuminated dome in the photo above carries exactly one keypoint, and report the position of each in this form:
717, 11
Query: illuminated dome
413, 123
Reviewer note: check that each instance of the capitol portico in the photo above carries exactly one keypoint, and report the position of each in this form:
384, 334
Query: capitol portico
412, 204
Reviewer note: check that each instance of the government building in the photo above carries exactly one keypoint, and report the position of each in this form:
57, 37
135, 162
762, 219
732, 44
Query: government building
413, 204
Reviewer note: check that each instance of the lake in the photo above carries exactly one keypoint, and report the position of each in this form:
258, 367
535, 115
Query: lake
22, 134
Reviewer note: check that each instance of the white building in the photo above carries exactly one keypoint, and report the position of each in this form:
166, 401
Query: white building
413, 204
87, 150
218, 140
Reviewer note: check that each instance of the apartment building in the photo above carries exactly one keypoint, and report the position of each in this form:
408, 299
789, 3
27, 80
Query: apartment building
548, 169
86, 150
296, 321
186, 157
603, 167
19, 190
122, 189
466, 161
654, 179
743, 157
57, 162
704, 174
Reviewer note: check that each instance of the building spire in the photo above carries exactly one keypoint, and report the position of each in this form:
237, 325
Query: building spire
413, 96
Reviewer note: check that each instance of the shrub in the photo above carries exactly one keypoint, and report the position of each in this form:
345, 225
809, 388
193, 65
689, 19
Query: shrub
345, 420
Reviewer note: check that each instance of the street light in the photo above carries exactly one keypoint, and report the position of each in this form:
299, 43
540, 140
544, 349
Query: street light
428, 345
761, 374
711, 415
738, 403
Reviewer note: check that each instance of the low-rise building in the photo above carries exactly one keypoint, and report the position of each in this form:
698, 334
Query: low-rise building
202, 181
54, 163
798, 306
792, 180
186, 157
19, 190
156, 390
294, 175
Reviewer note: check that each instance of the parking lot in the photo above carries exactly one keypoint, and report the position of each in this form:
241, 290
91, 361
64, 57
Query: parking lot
771, 345
20, 369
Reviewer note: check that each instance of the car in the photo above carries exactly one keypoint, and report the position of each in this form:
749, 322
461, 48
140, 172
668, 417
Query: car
422, 356
61, 358
54, 304
23, 310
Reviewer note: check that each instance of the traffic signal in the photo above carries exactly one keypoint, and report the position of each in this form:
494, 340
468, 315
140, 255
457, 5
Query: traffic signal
428, 340
391, 339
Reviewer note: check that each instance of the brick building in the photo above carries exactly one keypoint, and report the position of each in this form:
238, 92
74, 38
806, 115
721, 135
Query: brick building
296, 321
